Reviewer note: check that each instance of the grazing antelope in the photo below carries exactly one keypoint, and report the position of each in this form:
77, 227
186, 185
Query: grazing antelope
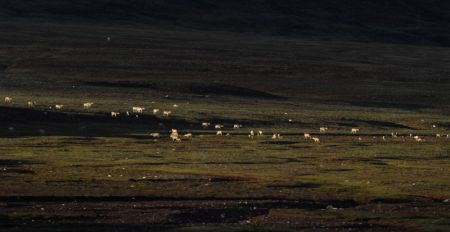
237, 126
188, 135
205, 124
418, 139
276, 136
58, 107
137, 109
316, 140
8, 99
260, 133
355, 130
167, 113
307, 135
175, 106
219, 133
155, 111
155, 135
87, 105
252, 134
323, 129
174, 135
218, 126
114, 114
31, 104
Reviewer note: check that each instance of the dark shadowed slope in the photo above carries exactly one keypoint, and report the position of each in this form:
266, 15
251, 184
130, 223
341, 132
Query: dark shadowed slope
399, 21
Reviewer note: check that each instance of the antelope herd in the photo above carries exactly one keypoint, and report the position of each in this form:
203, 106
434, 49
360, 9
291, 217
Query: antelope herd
175, 136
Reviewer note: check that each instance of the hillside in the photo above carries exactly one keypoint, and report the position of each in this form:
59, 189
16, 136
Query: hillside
399, 21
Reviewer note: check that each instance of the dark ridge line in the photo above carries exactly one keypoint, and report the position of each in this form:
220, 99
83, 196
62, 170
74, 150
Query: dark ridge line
191, 88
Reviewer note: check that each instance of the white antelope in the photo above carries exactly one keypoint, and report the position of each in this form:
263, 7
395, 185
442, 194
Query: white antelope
218, 126
114, 114
276, 136
174, 135
323, 129
167, 113
260, 133
175, 106
237, 126
58, 107
31, 104
205, 124
137, 109
188, 135
438, 135
8, 99
155, 111
219, 133
155, 135
355, 130
316, 140
307, 135
252, 134
87, 105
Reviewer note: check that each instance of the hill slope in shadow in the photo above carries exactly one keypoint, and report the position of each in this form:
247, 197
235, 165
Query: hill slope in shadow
398, 21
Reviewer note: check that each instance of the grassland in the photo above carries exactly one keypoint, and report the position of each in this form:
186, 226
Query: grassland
91, 172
